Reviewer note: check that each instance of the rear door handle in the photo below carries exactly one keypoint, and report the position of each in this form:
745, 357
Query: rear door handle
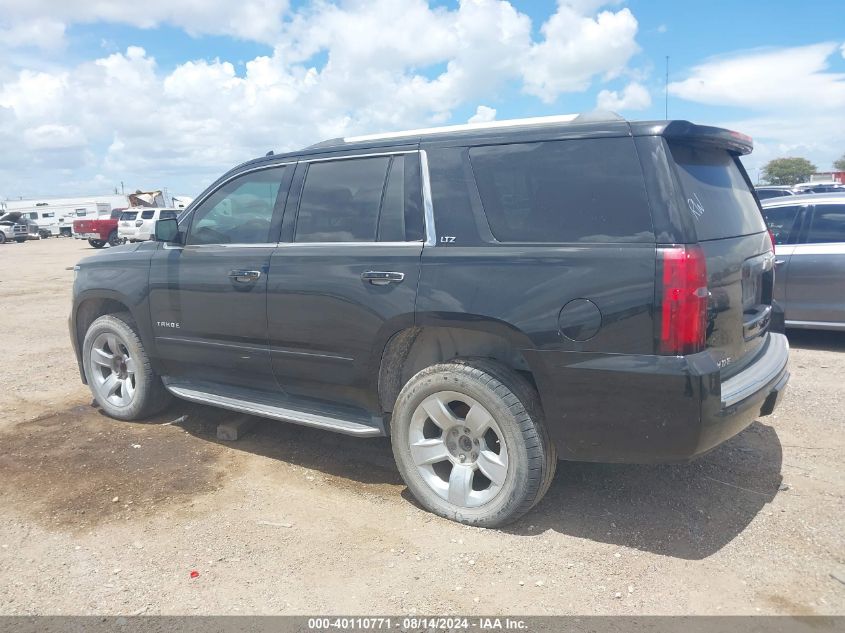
244, 276
382, 278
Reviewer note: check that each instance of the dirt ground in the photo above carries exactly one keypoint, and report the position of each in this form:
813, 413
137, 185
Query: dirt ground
105, 517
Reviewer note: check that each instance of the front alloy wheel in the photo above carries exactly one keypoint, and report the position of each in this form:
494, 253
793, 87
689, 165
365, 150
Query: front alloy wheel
118, 370
114, 370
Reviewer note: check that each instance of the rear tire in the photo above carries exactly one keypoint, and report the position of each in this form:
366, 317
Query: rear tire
470, 443
118, 369
113, 239
2, 237
97, 243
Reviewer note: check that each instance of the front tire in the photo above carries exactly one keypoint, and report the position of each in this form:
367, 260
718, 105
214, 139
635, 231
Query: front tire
20, 240
118, 369
97, 243
469, 441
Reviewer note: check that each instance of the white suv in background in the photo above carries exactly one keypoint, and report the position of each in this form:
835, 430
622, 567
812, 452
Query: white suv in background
137, 225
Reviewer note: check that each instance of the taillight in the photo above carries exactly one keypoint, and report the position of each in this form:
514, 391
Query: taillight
682, 273
772, 237
139, 222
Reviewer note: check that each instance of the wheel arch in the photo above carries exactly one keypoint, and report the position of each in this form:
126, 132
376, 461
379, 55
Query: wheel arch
91, 305
414, 348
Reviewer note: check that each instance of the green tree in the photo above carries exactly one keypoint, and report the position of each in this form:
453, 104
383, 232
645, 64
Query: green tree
788, 171
839, 165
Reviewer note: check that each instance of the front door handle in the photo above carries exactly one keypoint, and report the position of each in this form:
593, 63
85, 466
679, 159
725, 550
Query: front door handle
244, 276
382, 278
778, 262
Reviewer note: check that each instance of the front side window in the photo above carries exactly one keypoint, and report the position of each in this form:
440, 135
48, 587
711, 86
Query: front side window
341, 199
828, 224
563, 191
781, 221
167, 215
240, 212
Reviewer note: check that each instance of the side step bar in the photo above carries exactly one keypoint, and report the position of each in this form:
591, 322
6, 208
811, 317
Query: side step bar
324, 416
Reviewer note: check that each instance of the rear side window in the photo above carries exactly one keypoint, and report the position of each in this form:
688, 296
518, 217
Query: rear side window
563, 191
781, 221
828, 224
341, 200
166, 215
115, 215
147, 215
716, 193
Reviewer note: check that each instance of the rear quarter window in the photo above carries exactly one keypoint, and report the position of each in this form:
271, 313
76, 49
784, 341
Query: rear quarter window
585, 190
716, 193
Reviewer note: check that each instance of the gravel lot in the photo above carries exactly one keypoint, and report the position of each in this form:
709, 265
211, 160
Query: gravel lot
105, 517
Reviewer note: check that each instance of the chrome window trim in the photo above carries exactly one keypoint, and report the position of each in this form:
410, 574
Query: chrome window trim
415, 244
428, 207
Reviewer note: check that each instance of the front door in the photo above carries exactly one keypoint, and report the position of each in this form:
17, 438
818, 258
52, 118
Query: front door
208, 298
344, 278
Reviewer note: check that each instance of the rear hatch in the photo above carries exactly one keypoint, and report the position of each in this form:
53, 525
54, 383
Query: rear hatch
732, 235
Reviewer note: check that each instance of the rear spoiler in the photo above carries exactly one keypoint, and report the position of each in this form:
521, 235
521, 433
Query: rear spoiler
734, 142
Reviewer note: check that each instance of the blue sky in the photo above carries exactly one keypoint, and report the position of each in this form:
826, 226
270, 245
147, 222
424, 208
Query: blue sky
93, 94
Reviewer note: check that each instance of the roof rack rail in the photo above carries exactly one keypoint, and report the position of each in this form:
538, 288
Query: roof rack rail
505, 123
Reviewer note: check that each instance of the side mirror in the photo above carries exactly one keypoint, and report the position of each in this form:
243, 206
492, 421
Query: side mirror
167, 230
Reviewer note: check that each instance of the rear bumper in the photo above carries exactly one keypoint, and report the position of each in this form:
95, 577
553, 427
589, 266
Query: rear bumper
649, 409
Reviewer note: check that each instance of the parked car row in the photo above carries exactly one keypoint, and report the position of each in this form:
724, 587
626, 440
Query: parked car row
120, 225
764, 192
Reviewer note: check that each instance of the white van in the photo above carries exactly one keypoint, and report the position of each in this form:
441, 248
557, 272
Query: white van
138, 224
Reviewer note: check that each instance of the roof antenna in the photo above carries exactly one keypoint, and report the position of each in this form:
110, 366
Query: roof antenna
666, 98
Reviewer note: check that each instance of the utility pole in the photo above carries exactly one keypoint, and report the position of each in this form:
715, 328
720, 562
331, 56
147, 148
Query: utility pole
122, 193
666, 95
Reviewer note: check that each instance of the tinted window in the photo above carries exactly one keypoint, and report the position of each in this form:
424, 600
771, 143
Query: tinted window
128, 215
147, 215
781, 221
167, 214
828, 224
563, 191
48, 215
240, 212
764, 194
115, 214
716, 193
340, 200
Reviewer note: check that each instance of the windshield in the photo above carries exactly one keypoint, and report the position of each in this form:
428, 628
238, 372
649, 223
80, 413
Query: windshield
716, 192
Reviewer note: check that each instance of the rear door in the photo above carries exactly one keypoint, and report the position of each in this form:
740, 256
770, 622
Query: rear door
729, 227
345, 276
816, 280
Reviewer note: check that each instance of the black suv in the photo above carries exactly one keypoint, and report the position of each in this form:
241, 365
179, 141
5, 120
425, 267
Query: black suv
493, 297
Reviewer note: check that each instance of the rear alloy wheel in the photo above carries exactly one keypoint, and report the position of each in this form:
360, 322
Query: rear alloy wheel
118, 370
469, 441
97, 243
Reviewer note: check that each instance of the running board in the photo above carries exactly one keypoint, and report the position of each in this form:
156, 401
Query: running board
346, 420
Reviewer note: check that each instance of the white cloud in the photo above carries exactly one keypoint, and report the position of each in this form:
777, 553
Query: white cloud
334, 70
258, 20
798, 102
483, 114
635, 96
662, 28
768, 80
578, 47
